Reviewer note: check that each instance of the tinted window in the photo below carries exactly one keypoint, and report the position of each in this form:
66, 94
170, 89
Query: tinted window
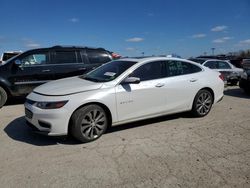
97, 56
7, 56
35, 59
64, 57
175, 68
150, 71
211, 64
223, 65
109, 71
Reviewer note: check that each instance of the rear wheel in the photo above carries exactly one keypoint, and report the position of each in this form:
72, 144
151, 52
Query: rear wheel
89, 123
3, 97
202, 104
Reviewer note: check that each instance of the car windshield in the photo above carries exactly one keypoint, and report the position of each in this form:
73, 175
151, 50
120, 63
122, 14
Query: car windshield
7, 56
109, 71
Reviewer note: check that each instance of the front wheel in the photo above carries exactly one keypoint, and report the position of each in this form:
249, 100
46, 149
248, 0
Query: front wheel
89, 123
3, 97
202, 104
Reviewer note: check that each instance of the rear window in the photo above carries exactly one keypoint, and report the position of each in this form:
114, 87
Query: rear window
63, 57
97, 56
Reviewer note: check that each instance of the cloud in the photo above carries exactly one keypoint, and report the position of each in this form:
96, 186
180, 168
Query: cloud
135, 39
130, 49
74, 20
28, 43
33, 45
247, 42
150, 14
197, 36
219, 28
222, 40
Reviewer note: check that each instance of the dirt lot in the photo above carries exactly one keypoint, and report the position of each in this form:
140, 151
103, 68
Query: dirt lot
171, 151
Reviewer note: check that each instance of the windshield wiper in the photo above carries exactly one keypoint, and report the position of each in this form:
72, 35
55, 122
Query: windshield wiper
91, 79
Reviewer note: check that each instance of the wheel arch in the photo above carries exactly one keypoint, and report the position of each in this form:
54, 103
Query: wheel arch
6, 89
106, 109
204, 88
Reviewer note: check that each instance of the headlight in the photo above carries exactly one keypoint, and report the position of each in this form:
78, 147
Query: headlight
50, 105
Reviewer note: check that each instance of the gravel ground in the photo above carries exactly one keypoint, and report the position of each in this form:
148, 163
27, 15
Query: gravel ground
171, 151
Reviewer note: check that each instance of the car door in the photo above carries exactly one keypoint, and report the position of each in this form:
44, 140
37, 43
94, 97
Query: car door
182, 84
143, 99
67, 63
30, 72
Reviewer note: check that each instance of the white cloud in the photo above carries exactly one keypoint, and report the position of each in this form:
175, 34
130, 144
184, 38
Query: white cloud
135, 39
130, 49
28, 43
74, 20
219, 28
222, 40
151, 14
247, 41
227, 38
33, 45
200, 35
218, 41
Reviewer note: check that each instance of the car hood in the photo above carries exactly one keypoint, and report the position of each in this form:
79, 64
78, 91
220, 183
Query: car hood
67, 86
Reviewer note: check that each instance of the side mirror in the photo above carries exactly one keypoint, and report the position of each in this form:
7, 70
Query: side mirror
18, 62
131, 80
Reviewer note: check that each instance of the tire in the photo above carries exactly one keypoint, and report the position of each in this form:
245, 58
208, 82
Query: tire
3, 97
202, 104
89, 123
233, 82
247, 91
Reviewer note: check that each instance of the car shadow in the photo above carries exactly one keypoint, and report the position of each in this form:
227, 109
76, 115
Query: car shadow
15, 101
19, 131
236, 92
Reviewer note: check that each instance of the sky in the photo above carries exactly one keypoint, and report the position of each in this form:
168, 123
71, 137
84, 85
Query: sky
129, 27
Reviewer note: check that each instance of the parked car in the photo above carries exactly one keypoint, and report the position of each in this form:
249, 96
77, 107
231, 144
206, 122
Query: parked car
21, 74
231, 73
245, 78
119, 92
7, 55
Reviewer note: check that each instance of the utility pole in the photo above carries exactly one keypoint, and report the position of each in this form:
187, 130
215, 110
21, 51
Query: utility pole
213, 51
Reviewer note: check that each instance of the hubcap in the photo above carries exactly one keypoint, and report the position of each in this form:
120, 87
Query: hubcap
93, 124
204, 103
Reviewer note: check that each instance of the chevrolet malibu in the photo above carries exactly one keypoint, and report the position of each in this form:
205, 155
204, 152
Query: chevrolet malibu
119, 92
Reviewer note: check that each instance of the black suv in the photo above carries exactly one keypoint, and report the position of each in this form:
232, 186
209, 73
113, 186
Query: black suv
21, 74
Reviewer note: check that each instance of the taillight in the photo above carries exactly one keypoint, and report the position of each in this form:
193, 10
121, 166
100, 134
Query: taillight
115, 56
222, 77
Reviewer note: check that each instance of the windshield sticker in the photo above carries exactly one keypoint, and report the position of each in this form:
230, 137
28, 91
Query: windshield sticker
110, 74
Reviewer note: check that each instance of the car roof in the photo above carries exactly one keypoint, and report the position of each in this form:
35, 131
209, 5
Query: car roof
155, 58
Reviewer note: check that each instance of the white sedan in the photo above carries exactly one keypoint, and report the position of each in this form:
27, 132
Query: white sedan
122, 91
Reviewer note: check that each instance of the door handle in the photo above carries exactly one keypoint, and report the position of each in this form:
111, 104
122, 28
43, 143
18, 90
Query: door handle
159, 85
193, 80
46, 70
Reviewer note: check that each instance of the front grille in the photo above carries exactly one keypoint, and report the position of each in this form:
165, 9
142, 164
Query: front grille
28, 113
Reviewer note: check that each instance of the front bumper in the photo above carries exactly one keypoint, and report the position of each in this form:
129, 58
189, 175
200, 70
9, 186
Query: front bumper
48, 122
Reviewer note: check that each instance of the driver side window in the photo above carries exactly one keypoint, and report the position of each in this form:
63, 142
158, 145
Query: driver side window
35, 59
150, 71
